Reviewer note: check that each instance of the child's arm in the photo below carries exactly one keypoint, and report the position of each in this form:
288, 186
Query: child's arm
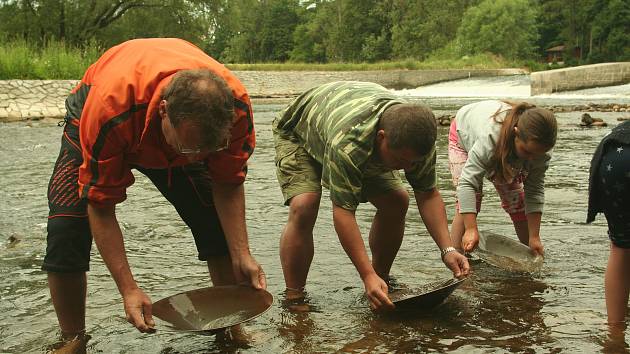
470, 185
534, 201
470, 240
533, 225
534, 185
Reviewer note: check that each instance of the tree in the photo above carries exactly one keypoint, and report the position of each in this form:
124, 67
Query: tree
79, 21
279, 19
609, 34
420, 27
308, 36
550, 25
503, 27
189, 20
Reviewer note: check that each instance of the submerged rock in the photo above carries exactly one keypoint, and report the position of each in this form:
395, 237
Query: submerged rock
12, 241
588, 121
445, 120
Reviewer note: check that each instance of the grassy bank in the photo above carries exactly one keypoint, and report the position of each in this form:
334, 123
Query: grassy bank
57, 61
54, 61
481, 61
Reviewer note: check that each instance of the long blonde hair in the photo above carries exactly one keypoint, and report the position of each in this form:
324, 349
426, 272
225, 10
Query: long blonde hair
533, 123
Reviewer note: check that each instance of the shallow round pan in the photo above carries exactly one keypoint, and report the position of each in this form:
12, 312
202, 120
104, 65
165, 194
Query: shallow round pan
507, 253
213, 308
427, 297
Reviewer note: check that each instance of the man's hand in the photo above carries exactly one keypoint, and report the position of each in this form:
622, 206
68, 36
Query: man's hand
457, 263
470, 240
138, 310
249, 271
376, 292
536, 245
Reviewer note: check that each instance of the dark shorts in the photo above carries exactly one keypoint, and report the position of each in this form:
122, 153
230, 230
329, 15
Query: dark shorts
613, 179
69, 238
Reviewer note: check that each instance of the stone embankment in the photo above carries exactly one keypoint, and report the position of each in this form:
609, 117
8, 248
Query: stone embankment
37, 99
580, 77
33, 99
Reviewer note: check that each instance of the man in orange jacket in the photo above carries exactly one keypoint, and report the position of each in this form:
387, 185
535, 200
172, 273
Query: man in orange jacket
165, 108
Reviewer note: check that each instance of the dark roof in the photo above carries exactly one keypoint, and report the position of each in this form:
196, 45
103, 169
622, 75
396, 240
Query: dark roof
559, 48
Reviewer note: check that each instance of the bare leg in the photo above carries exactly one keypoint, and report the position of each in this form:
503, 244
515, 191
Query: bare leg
522, 231
221, 272
296, 242
388, 228
67, 291
617, 284
457, 231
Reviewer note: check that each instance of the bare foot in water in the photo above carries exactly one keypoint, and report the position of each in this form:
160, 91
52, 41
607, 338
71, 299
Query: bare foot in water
72, 345
295, 300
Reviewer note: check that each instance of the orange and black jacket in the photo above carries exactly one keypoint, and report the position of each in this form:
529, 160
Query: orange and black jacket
116, 106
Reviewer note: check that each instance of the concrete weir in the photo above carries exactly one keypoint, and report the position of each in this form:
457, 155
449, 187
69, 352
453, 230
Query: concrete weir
580, 77
37, 99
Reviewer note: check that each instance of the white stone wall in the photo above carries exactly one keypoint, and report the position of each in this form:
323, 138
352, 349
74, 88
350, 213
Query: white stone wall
37, 99
580, 77
33, 99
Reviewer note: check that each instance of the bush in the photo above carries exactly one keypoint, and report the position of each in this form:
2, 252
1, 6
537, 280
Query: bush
503, 27
55, 61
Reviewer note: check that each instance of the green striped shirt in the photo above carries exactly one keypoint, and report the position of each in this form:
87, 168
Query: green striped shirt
336, 123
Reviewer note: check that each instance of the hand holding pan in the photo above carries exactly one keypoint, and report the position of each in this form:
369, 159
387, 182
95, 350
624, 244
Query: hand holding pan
213, 308
507, 253
426, 297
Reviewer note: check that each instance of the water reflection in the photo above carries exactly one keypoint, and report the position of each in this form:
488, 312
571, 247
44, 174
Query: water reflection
559, 310
297, 328
505, 309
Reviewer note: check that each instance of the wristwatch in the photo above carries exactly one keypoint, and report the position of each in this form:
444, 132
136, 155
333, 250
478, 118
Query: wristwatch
448, 250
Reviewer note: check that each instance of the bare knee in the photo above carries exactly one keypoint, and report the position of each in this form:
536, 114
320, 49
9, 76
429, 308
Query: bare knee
303, 211
394, 204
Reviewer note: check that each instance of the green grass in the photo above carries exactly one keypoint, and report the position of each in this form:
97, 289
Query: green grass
58, 61
481, 61
54, 61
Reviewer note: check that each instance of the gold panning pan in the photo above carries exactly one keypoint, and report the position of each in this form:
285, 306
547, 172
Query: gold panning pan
507, 253
213, 308
426, 297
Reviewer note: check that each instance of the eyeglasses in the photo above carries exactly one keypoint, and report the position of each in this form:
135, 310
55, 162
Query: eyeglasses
198, 150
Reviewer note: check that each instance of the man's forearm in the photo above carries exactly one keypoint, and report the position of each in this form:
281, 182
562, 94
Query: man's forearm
433, 214
351, 241
229, 200
109, 241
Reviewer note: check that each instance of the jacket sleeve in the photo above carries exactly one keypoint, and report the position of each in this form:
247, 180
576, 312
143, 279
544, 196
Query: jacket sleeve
230, 165
104, 174
535, 185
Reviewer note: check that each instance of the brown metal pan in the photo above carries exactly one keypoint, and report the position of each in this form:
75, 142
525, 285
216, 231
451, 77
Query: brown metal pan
426, 297
213, 308
507, 253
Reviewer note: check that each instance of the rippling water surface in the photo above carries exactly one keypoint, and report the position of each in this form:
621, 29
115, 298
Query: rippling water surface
560, 309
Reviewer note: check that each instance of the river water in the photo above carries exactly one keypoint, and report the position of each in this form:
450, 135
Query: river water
559, 309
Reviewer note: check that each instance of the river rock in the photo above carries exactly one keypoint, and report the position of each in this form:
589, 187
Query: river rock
445, 120
588, 121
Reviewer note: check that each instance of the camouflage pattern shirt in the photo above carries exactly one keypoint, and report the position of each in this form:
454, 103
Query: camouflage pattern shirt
336, 123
